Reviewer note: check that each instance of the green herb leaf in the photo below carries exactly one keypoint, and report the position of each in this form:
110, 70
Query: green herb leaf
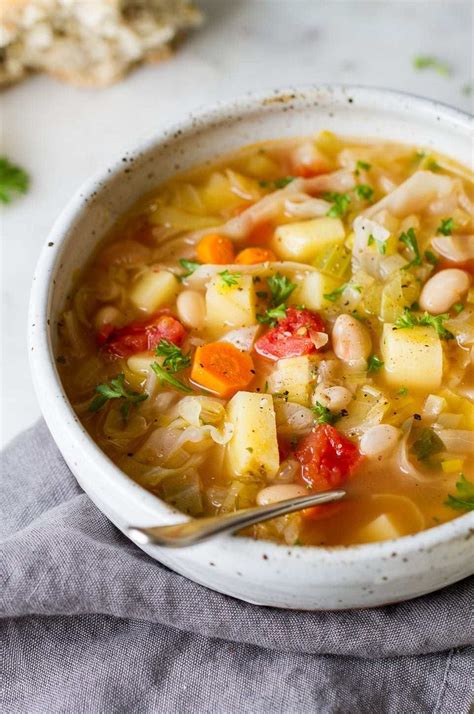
166, 376
174, 360
229, 279
427, 444
336, 294
402, 392
429, 62
464, 499
340, 203
409, 319
374, 364
13, 179
280, 287
116, 389
446, 227
272, 315
458, 307
189, 265
409, 238
363, 191
430, 257
324, 415
381, 244
283, 181
362, 166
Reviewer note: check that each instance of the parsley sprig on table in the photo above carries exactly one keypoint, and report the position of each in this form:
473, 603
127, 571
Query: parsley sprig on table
116, 389
409, 319
13, 179
464, 498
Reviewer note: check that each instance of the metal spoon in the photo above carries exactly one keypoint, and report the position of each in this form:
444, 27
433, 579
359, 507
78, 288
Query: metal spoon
199, 529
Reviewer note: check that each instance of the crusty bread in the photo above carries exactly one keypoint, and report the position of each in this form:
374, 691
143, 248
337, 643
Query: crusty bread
88, 42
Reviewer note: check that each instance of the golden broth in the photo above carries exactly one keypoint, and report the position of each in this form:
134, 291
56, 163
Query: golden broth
358, 229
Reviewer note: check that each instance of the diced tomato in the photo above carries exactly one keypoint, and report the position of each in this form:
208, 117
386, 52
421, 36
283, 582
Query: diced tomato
327, 458
141, 336
292, 336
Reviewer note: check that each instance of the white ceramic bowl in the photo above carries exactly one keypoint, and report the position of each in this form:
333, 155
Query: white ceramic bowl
256, 571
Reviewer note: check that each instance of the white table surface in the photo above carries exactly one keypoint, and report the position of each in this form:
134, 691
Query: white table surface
63, 134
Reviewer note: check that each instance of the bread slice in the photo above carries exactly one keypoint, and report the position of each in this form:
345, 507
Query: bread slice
88, 42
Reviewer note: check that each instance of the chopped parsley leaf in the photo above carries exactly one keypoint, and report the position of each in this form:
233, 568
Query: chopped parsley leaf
280, 287
278, 183
446, 227
409, 238
430, 62
229, 279
324, 415
402, 392
458, 307
340, 203
374, 364
272, 315
189, 265
431, 258
363, 191
116, 389
174, 360
13, 179
464, 498
362, 166
336, 294
166, 376
381, 244
408, 319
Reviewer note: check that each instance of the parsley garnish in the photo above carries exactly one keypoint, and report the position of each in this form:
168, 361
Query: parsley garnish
363, 191
446, 227
402, 392
280, 287
12, 180
362, 165
428, 62
464, 499
166, 376
374, 364
174, 360
340, 203
324, 415
336, 294
116, 389
427, 444
381, 244
458, 307
278, 183
229, 279
408, 319
430, 257
189, 265
272, 315
409, 238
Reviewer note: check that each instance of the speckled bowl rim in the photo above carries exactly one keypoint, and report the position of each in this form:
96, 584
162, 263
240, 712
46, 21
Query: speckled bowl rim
45, 375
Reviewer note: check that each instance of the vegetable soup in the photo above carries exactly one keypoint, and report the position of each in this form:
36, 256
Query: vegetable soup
295, 318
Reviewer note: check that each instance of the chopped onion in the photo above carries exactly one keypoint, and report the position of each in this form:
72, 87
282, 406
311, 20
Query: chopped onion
457, 441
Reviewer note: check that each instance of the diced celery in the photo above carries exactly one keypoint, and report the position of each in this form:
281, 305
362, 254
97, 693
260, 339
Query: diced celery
401, 291
334, 261
183, 491
452, 466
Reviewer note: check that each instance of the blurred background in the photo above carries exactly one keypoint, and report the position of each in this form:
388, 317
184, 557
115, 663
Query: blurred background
61, 134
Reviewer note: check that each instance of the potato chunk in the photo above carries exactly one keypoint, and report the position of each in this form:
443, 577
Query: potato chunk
413, 357
311, 290
230, 306
154, 290
383, 527
294, 378
304, 240
253, 449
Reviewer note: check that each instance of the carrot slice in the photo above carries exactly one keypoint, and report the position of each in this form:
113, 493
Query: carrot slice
215, 249
222, 368
252, 256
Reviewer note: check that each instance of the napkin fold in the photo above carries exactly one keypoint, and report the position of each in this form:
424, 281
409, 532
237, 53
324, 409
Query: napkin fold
92, 624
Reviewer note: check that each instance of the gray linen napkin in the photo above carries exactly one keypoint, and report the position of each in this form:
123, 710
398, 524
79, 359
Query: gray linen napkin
94, 625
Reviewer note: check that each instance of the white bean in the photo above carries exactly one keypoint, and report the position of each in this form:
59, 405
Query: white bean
379, 440
107, 315
191, 308
334, 398
280, 492
443, 290
351, 339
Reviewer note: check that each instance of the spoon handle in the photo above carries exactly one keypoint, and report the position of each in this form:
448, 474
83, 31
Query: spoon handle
197, 530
